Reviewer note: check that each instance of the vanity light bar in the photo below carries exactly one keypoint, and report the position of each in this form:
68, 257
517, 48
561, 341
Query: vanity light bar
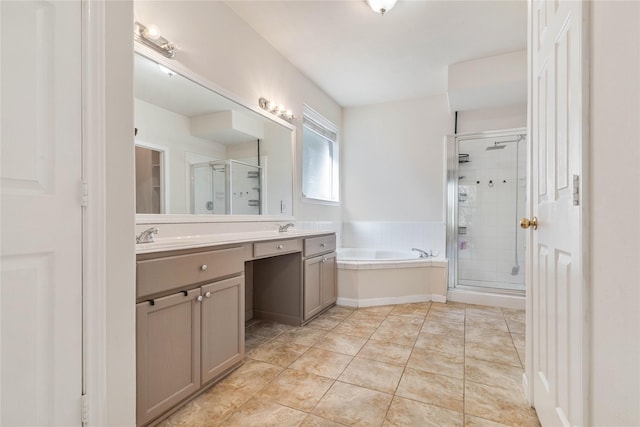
150, 36
276, 109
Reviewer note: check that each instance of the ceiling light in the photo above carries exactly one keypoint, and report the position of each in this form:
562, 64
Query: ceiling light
150, 36
381, 6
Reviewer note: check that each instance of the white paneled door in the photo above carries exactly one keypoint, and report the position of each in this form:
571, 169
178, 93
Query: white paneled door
41, 215
557, 105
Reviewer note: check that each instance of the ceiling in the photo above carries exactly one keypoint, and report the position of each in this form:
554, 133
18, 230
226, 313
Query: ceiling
359, 57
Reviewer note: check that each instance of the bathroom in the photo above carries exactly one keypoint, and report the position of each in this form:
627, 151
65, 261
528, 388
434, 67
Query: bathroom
405, 139
369, 134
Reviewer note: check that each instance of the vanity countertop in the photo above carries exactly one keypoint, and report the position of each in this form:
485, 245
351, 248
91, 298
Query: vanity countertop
200, 241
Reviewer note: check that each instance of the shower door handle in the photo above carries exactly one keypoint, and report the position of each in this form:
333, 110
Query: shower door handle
526, 223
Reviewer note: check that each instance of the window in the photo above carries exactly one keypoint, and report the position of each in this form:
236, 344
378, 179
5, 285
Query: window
320, 158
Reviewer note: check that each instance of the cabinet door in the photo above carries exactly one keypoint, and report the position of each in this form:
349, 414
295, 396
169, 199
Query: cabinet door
312, 287
328, 279
168, 353
222, 326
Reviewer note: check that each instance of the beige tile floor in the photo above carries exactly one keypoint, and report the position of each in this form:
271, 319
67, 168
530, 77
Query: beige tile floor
423, 364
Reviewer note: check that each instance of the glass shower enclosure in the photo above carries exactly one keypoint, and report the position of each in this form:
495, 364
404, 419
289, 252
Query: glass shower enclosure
486, 199
226, 187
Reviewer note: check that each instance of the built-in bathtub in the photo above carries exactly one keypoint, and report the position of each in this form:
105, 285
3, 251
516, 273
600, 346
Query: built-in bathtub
370, 277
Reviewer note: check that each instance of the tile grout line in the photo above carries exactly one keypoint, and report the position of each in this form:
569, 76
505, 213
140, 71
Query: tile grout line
367, 340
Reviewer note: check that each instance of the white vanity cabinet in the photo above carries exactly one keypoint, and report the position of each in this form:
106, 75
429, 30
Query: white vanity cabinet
320, 285
189, 338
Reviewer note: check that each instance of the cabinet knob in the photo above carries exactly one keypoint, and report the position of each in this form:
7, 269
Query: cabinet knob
324, 260
204, 267
323, 245
207, 295
199, 298
280, 247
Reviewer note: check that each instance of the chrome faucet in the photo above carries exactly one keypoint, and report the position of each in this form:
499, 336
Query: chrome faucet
284, 228
148, 235
423, 254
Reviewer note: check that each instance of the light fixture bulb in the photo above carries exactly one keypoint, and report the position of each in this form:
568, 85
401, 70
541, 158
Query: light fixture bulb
276, 109
381, 6
152, 32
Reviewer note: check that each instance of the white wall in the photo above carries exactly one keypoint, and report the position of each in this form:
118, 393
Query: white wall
394, 154
394, 176
498, 118
615, 209
489, 82
215, 43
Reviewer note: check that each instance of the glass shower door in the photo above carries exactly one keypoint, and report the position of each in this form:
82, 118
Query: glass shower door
490, 199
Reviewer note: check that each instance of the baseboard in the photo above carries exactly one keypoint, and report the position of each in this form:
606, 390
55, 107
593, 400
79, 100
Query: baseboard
526, 389
374, 302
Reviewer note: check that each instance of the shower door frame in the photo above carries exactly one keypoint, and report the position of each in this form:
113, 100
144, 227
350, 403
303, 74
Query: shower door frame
452, 204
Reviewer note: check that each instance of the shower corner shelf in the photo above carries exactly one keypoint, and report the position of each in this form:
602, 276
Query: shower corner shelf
463, 158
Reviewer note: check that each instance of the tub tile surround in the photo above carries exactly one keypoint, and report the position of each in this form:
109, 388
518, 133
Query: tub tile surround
396, 235
330, 377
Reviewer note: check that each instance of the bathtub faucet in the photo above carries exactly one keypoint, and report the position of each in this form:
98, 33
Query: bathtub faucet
423, 254
284, 228
148, 235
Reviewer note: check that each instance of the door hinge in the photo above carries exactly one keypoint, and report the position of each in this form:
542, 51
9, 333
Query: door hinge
84, 409
576, 190
84, 193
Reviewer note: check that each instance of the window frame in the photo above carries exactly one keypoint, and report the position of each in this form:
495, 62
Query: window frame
330, 128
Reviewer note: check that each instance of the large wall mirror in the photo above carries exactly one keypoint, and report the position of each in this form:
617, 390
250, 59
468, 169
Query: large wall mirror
200, 153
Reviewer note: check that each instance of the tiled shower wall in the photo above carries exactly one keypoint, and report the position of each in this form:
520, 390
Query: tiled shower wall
488, 215
395, 235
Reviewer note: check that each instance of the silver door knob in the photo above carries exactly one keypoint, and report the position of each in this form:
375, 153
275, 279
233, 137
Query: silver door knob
199, 298
207, 295
204, 267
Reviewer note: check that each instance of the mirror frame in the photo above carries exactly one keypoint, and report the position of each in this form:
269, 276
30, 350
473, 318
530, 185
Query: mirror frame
176, 66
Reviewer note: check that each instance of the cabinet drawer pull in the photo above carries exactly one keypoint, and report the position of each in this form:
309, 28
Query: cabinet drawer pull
204, 267
323, 245
324, 259
207, 295
199, 298
280, 247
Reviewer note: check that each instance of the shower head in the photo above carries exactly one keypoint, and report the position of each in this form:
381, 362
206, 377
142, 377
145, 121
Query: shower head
499, 145
496, 146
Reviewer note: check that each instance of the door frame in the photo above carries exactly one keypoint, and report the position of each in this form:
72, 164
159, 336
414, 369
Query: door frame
94, 295
584, 213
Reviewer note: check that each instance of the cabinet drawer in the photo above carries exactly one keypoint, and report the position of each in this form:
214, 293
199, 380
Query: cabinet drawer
275, 247
163, 274
318, 245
